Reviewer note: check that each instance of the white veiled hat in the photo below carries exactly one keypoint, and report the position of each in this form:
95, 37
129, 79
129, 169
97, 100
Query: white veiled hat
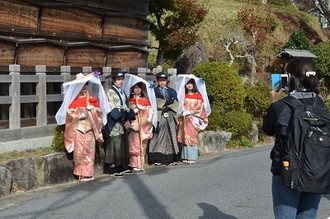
130, 81
180, 83
71, 90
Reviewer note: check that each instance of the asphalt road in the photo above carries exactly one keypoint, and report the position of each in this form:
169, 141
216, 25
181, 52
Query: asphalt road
233, 185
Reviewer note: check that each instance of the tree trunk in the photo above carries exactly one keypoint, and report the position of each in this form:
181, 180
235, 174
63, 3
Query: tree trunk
253, 70
160, 57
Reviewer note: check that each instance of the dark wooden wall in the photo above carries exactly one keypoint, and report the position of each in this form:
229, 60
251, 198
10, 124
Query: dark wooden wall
111, 33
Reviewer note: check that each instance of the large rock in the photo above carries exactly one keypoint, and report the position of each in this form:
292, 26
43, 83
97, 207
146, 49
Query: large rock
213, 142
5, 182
39, 165
58, 168
191, 57
254, 133
23, 173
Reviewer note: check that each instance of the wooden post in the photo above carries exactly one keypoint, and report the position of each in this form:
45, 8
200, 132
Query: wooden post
107, 83
41, 93
15, 94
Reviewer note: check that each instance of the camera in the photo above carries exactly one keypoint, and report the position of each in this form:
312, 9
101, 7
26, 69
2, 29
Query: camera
281, 79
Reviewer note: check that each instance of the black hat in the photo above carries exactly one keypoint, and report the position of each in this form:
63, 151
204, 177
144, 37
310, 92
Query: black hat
115, 75
162, 75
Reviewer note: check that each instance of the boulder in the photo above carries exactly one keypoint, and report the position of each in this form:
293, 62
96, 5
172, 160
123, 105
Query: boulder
254, 133
192, 56
23, 173
39, 165
57, 168
213, 142
6, 180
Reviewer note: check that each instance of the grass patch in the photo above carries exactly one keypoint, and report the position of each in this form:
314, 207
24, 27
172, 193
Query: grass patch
28, 153
222, 19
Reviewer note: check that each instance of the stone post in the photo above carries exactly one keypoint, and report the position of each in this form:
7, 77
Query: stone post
107, 82
15, 94
172, 72
86, 70
65, 72
142, 73
124, 70
41, 93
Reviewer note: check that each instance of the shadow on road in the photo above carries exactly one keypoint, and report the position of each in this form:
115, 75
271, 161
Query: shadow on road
210, 211
148, 201
73, 194
327, 196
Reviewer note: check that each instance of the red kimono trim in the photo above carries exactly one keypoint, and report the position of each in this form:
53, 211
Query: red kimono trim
194, 96
81, 102
141, 101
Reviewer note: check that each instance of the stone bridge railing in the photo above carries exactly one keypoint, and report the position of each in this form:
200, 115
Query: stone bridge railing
39, 100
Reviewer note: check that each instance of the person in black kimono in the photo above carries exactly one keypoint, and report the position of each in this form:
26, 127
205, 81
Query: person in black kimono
163, 147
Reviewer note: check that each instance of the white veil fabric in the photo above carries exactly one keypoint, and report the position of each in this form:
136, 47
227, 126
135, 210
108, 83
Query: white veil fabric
180, 83
72, 88
130, 81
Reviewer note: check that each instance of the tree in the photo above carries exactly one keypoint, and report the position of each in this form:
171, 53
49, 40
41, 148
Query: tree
231, 38
322, 51
298, 40
320, 7
280, 2
175, 23
256, 26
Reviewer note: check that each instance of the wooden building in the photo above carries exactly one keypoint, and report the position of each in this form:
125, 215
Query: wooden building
74, 33
79, 34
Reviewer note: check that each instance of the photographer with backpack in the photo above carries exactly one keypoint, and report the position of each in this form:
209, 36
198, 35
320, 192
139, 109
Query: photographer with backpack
300, 124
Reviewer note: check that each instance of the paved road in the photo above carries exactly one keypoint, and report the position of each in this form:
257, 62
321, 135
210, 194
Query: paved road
234, 185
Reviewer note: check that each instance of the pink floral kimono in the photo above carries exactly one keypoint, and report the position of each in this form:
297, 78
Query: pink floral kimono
190, 125
82, 127
140, 132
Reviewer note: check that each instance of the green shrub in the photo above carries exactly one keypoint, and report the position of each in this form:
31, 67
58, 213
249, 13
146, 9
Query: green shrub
238, 123
214, 118
231, 144
322, 51
58, 140
280, 2
327, 103
242, 142
223, 84
258, 99
245, 142
298, 40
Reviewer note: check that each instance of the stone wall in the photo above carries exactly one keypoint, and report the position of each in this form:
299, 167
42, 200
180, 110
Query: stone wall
30, 172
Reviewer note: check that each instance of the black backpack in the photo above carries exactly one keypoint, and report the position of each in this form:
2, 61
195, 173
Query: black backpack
308, 148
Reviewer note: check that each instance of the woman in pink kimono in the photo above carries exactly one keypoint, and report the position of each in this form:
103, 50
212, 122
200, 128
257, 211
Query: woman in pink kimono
83, 122
141, 128
143, 102
192, 117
